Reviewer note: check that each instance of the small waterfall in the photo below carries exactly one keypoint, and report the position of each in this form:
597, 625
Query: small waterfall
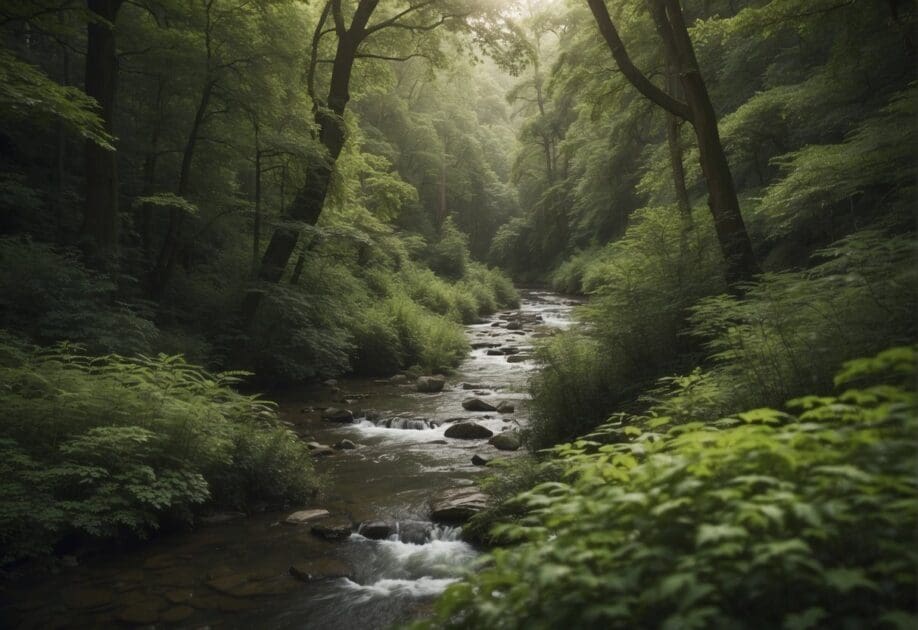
401, 423
419, 559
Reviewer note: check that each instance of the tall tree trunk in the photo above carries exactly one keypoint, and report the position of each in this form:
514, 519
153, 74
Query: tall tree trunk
740, 263
168, 253
256, 223
61, 166
722, 199
100, 219
674, 141
307, 203
442, 210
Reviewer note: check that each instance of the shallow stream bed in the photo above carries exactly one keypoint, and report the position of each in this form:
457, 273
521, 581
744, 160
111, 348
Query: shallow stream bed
237, 574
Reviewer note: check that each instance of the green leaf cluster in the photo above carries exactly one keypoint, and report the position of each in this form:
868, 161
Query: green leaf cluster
110, 446
770, 518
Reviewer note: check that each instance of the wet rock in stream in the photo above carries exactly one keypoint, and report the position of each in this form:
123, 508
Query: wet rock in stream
335, 414
457, 505
337, 528
468, 431
319, 569
430, 384
506, 441
304, 517
477, 404
375, 530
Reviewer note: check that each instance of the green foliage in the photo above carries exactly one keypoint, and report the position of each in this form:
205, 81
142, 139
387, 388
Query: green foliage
642, 287
765, 518
48, 295
26, 93
449, 255
111, 445
787, 331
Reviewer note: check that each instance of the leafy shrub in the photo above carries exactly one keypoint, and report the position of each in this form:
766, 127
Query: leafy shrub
787, 331
642, 287
109, 445
428, 290
765, 519
508, 477
575, 389
449, 256
378, 349
429, 340
49, 296
568, 276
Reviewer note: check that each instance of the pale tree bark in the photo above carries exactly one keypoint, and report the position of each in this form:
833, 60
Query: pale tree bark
696, 108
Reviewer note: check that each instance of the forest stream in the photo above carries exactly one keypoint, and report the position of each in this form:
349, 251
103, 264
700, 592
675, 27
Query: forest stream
261, 572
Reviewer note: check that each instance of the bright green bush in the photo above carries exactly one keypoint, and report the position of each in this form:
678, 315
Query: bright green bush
763, 519
379, 350
568, 276
112, 445
449, 256
464, 307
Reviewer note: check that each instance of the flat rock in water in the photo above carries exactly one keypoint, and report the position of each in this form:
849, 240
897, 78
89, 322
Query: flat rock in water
345, 445
336, 414
305, 516
430, 384
476, 404
468, 431
332, 529
320, 569
472, 386
478, 460
399, 379
376, 530
518, 358
322, 451
505, 406
458, 505
506, 441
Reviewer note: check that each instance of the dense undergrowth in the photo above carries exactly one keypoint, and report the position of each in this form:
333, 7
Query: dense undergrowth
654, 312
340, 317
799, 517
113, 446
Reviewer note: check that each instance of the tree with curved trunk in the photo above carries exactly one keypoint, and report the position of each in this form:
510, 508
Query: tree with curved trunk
412, 18
696, 108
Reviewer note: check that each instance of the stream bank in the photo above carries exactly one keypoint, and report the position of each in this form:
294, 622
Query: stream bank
261, 572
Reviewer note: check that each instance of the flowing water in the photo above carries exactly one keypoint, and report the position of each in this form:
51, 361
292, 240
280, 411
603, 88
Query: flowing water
237, 574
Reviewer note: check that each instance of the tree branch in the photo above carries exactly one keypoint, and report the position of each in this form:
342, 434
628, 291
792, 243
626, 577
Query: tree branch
631, 72
395, 18
314, 53
388, 58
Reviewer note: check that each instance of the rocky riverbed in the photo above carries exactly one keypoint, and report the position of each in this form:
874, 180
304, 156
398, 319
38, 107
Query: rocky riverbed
400, 456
